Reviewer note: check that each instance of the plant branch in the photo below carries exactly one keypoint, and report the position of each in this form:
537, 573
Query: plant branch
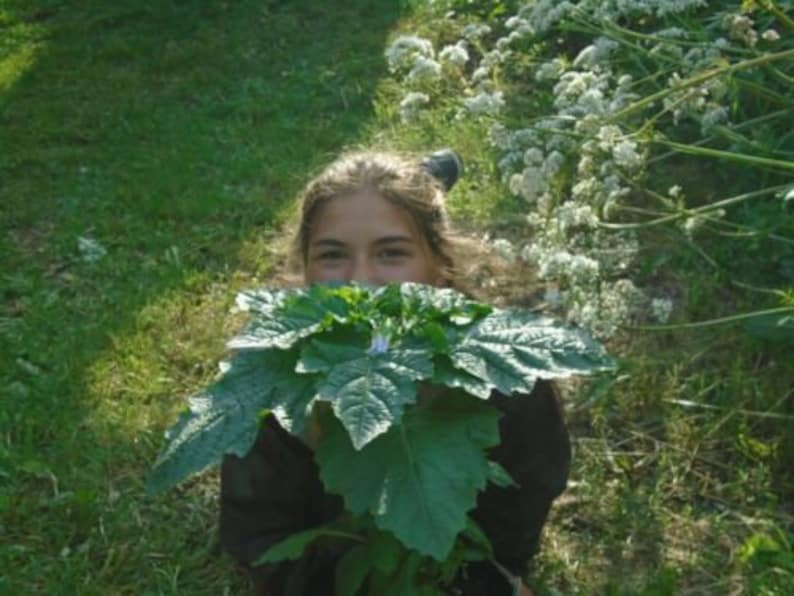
717, 321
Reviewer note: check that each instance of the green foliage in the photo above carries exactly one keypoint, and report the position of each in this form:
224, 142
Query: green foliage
413, 466
420, 478
362, 350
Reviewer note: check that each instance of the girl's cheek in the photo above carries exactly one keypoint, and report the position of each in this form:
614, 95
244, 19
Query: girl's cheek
320, 273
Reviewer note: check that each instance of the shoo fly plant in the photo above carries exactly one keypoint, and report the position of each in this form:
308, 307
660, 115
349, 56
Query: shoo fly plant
396, 378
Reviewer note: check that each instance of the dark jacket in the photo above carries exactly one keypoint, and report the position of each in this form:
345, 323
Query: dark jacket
275, 491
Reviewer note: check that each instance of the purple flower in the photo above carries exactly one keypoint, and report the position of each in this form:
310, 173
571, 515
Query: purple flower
380, 344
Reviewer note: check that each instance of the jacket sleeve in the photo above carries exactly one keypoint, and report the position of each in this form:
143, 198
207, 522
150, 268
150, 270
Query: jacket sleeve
535, 450
272, 492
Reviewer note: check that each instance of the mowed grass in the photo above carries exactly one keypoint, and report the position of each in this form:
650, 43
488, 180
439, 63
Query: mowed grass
174, 134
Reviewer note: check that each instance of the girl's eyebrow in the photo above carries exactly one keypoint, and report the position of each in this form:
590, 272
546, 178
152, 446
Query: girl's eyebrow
328, 242
385, 240
394, 239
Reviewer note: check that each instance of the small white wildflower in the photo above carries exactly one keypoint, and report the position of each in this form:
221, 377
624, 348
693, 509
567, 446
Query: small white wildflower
583, 269
596, 53
455, 54
740, 28
533, 156
224, 366
498, 135
672, 33
404, 50
90, 249
770, 35
494, 58
675, 191
424, 69
505, 249
661, 308
550, 70
411, 104
626, 155
591, 101
529, 184
484, 103
475, 31
480, 74
713, 116
574, 215
554, 162
692, 224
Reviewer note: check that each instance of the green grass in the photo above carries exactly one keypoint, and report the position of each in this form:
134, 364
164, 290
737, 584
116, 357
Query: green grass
176, 133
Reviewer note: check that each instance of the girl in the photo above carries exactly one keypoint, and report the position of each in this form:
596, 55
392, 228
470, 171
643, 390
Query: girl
377, 218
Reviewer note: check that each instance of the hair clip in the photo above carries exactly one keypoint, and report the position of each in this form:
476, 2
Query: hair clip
445, 165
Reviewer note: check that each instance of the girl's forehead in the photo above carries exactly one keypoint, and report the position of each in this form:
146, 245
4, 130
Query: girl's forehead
362, 216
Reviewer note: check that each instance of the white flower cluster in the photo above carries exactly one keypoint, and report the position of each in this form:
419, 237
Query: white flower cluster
483, 103
424, 70
741, 28
475, 31
576, 164
413, 57
411, 104
405, 50
456, 54
702, 102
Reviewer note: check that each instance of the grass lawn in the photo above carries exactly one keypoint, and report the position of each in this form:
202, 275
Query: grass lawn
174, 134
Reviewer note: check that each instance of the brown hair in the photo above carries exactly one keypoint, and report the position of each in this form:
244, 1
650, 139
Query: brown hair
467, 265
401, 180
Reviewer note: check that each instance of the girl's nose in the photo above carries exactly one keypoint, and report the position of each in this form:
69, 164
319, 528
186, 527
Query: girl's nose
364, 271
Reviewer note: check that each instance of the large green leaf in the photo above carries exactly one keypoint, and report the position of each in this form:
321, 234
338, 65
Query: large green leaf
283, 318
367, 391
420, 478
441, 303
222, 419
512, 348
446, 374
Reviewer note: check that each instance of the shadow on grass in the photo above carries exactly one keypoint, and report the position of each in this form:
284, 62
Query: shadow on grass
169, 132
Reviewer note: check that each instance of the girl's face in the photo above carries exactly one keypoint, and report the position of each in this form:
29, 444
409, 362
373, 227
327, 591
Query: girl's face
365, 238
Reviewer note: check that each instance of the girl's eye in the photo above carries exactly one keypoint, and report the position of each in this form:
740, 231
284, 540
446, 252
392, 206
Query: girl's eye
393, 254
330, 255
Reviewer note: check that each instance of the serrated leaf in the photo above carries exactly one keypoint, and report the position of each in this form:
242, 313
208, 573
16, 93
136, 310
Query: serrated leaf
293, 398
420, 478
368, 393
286, 317
498, 476
321, 356
446, 374
386, 552
512, 348
431, 301
352, 570
222, 419
292, 547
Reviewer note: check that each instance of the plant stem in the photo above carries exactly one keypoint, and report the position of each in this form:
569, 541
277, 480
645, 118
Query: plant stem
718, 321
779, 14
727, 155
742, 125
696, 211
700, 78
